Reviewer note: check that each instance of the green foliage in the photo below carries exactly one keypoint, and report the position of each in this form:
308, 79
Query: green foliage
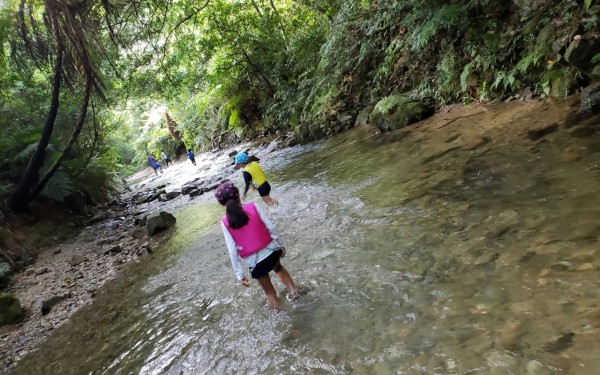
58, 187
588, 3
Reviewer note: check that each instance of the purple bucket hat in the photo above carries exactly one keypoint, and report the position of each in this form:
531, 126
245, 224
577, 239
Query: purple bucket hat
226, 191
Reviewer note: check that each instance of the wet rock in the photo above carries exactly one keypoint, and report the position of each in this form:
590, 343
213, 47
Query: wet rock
157, 222
363, 117
500, 360
96, 219
569, 157
590, 100
173, 194
114, 249
316, 131
475, 143
77, 259
48, 304
581, 51
538, 132
187, 188
560, 344
563, 265
536, 368
397, 111
138, 233
10, 309
103, 241
196, 192
163, 198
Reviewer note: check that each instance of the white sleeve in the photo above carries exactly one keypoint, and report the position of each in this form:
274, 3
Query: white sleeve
236, 262
272, 230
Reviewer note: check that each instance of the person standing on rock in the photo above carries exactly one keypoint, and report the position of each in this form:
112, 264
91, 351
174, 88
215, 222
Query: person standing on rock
165, 158
154, 164
191, 156
250, 235
255, 177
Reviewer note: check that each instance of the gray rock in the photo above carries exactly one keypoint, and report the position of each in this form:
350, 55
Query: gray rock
138, 233
114, 249
29, 272
96, 219
103, 241
363, 117
48, 304
173, 194
10, 310
590, 100
581, 51
196, 192
57, 250
159, 221
77, 259
187, 188
41, 270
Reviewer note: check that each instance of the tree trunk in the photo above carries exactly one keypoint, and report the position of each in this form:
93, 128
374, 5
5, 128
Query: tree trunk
76, 131
171, 127
19, 199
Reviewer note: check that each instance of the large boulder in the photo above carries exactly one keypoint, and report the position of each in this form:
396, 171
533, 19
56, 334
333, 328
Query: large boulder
10, 310
49, 303
590, 100
581, 51
397, 111
159, 221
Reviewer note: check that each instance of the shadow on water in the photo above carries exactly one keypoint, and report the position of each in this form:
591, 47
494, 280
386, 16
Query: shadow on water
421, 254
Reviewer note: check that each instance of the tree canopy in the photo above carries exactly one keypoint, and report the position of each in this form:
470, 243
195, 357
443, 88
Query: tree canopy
90, 87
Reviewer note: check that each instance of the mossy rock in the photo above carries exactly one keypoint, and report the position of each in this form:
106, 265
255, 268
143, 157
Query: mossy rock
397, 111
10, 310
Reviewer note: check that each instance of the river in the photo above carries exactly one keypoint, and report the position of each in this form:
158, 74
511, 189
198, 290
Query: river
460, 245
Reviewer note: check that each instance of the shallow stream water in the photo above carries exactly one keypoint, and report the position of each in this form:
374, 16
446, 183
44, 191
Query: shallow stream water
461, 245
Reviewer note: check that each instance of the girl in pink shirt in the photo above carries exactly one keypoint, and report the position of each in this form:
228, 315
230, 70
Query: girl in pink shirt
250, 235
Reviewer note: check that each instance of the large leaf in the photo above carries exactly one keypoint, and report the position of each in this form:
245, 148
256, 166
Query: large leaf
58, 187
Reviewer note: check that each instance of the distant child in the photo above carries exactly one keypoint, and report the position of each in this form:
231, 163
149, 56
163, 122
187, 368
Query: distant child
191, 156
253, 174
154, 164
165, 158
250, 235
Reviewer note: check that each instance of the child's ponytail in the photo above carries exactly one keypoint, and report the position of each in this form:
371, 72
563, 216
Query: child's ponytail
236, 216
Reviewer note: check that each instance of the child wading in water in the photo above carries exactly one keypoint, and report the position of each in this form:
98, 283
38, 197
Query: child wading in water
250, 235
253, 174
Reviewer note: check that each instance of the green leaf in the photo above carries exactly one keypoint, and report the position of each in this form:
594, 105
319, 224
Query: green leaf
58, 187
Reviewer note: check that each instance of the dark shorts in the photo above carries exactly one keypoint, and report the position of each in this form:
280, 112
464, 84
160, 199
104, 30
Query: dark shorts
155, 166
264, 189
266, 265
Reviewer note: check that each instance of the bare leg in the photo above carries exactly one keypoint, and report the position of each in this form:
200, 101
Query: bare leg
286, 279
269, 201
267, 285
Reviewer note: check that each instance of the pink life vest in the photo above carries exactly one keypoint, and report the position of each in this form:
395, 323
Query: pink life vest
253, 236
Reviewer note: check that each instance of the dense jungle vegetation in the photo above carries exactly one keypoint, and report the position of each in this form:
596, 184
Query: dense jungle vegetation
90, 87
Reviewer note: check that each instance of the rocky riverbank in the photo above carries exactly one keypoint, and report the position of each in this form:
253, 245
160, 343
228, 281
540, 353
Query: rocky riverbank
67, 276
